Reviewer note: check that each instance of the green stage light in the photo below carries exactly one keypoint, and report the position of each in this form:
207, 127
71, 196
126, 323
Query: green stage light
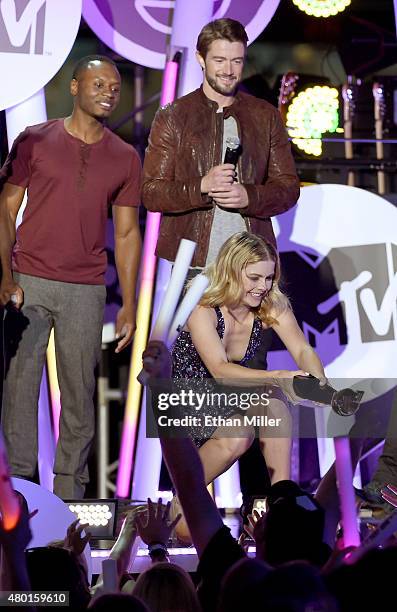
311, 113
321, 8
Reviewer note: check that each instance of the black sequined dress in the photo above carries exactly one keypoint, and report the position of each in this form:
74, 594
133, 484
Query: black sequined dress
187, 364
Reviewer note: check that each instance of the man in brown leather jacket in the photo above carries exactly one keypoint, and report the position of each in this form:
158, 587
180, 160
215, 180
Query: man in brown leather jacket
201, 198
205, 200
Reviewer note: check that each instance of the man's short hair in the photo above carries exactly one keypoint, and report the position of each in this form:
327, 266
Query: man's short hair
84, 62
226, 29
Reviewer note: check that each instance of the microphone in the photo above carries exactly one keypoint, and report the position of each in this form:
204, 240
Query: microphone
233, 150
345, 402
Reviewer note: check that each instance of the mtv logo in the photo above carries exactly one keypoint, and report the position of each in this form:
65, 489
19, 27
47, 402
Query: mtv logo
366, 276
22, 26
326, 342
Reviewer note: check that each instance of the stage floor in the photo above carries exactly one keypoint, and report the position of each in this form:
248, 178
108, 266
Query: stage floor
186, 557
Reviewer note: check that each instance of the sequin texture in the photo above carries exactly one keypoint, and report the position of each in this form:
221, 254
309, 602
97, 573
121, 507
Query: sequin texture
187, 364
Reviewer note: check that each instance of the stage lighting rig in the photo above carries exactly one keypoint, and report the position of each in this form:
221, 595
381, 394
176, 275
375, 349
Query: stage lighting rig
99, 514
322, 8
311, 113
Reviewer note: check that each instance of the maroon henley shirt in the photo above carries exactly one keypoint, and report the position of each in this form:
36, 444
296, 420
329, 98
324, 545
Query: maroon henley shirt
70, 187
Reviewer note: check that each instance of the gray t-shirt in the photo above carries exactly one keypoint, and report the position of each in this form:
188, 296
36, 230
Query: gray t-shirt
225, 222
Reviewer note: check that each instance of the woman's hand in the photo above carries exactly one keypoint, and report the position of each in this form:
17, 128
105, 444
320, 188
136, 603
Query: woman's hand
323, 380
283, 379
281, 374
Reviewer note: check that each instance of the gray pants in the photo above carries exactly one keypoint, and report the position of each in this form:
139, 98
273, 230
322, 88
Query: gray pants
76, 313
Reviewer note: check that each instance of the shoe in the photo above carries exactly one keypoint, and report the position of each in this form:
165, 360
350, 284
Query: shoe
370, 498
372, 492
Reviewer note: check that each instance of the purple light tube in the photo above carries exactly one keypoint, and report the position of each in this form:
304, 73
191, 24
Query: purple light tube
344, 477
131, 417
169, 82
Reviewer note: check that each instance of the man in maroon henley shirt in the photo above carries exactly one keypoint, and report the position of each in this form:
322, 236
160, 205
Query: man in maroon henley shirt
53, 266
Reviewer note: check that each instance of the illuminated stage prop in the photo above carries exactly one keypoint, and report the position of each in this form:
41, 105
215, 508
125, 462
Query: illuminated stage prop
191, 299
347, 501
175, 287
34, 43
52, 519
131, 414
170, 323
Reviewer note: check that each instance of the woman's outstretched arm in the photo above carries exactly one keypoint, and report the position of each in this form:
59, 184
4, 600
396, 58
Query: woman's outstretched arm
304, 355
202, 327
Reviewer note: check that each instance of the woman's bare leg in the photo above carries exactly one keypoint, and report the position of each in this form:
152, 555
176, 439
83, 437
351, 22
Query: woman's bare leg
217, 454
277, 454
276, 449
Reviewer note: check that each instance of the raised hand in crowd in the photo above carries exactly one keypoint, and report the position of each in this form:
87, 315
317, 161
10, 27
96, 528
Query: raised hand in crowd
157, 360
157, 529
74, 539
122, 550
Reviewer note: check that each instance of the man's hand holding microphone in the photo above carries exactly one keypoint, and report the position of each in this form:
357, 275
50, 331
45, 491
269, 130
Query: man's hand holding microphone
11, 293
220, 182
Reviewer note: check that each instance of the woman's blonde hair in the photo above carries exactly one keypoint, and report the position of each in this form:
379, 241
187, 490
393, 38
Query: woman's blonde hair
225, 288
166, 586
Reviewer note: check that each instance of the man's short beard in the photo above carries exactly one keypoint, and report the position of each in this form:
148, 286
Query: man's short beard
224, 92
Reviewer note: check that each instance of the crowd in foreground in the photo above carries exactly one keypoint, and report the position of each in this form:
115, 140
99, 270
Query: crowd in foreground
298, 565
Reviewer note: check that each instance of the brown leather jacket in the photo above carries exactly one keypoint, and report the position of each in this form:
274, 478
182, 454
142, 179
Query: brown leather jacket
185, 142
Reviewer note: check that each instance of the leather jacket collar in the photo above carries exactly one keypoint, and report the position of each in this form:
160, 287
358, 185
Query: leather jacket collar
227, 110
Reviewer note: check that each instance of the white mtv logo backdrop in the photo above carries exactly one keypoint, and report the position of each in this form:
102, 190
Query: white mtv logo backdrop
353, 233
341, 245
36, 37
138, 29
